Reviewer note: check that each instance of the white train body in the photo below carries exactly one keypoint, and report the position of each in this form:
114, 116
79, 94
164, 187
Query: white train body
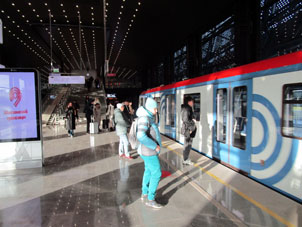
250, 119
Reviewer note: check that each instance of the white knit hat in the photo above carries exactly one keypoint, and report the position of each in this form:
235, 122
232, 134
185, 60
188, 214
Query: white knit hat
119, 105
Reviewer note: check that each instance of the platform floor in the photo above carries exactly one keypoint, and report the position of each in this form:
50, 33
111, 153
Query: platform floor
85, 183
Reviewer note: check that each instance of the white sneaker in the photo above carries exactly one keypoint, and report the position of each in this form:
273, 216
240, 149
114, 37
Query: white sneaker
188, 162
153, 204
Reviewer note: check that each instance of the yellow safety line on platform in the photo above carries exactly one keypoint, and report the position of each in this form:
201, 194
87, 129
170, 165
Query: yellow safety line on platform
267, 210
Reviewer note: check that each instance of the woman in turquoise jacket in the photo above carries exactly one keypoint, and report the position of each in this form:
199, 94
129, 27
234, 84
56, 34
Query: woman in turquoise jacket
150, 143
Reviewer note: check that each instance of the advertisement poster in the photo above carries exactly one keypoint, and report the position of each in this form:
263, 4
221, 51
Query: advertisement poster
18, 107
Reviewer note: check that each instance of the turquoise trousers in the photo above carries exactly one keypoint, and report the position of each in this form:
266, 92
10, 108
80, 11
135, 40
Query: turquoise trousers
152, 176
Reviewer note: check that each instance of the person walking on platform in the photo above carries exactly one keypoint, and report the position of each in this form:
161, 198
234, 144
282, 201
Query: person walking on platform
121, 131
97, 114
148, 136
188, 128
110, 114
88, 110
70, 119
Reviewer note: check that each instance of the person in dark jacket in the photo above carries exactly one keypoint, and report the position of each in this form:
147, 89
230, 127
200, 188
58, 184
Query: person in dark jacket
88, 110
188, 128
121, 131
126, 112
70, 119
149, 138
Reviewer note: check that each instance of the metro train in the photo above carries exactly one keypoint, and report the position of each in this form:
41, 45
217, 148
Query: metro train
249, 118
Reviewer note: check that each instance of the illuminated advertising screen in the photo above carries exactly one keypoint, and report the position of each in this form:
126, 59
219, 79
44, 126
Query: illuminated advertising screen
19, 112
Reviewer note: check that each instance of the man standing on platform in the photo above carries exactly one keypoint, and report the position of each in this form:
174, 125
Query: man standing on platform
188, 128
88, 110
150, 143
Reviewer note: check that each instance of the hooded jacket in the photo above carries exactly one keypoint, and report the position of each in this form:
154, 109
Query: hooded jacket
147, 133
121, 123
188, 128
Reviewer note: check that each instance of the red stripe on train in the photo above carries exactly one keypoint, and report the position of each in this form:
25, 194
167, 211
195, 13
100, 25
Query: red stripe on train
285, 60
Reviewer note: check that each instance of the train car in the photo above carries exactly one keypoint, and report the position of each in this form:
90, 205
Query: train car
249, 118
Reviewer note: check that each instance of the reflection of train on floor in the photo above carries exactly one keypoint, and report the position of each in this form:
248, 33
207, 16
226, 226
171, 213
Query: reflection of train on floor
249, 118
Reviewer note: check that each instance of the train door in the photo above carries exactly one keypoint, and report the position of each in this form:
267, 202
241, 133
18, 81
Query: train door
232, 120
170, 115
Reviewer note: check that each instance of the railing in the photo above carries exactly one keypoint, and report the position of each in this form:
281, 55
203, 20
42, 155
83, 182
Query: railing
59, 110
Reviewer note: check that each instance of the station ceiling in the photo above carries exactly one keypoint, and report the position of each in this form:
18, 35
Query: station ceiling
138, 33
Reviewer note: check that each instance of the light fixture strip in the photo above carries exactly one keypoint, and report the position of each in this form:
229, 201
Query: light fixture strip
65, 44
132, 75
126, 35
83, 35
28, 37
117, 26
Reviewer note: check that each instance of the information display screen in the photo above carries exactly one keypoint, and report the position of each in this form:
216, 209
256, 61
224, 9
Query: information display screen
19, 112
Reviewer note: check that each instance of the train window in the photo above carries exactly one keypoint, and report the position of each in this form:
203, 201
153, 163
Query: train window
239, 117
196, 107
221, 107
292, 111
170, 110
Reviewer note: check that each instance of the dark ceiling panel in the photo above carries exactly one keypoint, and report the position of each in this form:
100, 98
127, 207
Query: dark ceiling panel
139, 33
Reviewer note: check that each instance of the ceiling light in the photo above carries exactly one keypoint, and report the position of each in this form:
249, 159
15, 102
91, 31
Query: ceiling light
13, 4
45, 3
29, 4
62, 4
2, 11
136, 10
77, 6
91, 7
23, 16
139, 3
34, 10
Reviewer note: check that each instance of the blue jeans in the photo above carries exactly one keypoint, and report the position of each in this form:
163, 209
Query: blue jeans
152, 176
123, 147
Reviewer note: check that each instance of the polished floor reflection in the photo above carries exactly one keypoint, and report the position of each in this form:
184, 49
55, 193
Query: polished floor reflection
85, 183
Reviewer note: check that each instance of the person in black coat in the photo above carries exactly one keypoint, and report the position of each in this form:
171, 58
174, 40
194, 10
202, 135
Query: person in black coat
70, 119
126, 112
188, 128
88, 110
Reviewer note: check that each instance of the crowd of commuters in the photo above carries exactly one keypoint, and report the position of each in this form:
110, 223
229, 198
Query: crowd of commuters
148, 135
